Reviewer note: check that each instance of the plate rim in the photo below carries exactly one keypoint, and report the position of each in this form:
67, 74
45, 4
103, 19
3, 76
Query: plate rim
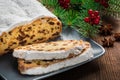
69, 67
73, 66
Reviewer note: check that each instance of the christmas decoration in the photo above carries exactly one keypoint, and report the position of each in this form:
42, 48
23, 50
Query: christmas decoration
93, 18
105, 29
117, 36
103, 3
114, 8
83, 15
108, 42
73, 13
109, 7
64, 3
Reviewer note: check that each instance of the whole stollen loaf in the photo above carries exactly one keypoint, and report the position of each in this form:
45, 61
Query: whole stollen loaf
24, 22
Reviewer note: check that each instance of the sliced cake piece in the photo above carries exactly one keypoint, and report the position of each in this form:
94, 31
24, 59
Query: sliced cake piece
50, 50
37, 67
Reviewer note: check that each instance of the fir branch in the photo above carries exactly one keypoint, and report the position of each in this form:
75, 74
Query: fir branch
87, 30
73, 17
117, 3
49, 3
75, 1
58, 11
90, 4
70, 18
114, 8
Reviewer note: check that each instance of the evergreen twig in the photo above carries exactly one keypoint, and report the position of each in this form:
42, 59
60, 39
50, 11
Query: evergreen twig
73, 17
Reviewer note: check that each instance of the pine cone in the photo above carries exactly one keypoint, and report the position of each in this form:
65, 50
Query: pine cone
108, 42
117, 36
105, 29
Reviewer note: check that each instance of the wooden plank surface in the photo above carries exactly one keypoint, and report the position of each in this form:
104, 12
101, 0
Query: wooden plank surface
106, 67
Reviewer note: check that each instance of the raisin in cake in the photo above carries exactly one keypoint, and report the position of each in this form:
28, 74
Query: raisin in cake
50, 50
25, 22
37, 67
39, 30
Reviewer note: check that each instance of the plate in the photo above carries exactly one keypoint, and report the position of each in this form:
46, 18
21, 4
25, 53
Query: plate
8, 64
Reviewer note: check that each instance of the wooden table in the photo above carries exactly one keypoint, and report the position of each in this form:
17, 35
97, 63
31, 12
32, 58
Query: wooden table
106, 67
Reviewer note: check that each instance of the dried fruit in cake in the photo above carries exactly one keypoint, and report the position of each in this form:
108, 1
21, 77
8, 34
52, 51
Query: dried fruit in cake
38, 67
40, 30
50, 50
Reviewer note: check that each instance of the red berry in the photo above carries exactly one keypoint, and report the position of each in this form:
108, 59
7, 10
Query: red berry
102, 2
98, 17
96, 13
65, 6
90, 11
96, 21
87, 19
92, 16
67, 1
64, 3
106, 5
60, 1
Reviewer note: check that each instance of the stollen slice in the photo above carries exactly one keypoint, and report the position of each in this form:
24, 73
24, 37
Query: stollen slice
38, 67
50, 50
